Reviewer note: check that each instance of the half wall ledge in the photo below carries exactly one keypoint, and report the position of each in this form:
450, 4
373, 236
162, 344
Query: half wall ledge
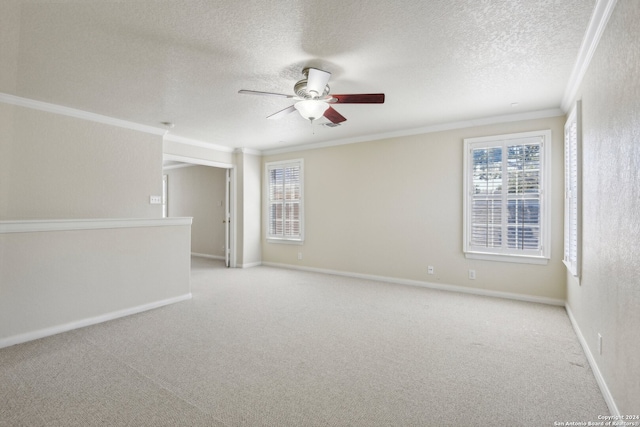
58, 275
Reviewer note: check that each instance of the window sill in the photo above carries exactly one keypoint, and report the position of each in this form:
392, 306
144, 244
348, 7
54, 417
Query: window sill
285, 241
571, 269
520, 259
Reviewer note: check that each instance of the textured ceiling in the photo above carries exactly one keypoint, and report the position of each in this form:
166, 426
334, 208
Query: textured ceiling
437, 61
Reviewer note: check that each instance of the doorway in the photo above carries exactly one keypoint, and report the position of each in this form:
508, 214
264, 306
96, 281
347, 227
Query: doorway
204, 190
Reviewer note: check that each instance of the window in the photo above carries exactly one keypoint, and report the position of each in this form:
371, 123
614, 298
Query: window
285, 206
506, 213
572, 142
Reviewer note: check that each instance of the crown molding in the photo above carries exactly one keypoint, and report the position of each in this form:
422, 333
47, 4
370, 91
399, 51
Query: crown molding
244, 150
196, 143
532, 115
599, 19
80, 114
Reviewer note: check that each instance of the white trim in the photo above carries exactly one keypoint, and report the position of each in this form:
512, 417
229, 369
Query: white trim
233, 194
505, 254
519, 259
72, 112
85, 115
196, 143
57, 109
430, 285
285, 241
248, 151
31, 226
569, 267
601, 14
250, 264
178, 166
608, 397
575, 117
266, 188
41, 333
199, 255
233, 209
541, 114
196, 161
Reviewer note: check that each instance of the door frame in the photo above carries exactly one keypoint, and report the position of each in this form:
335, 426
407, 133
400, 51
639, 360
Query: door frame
230, 201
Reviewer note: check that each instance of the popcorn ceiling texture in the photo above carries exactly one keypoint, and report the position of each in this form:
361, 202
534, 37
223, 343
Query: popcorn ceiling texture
438, 61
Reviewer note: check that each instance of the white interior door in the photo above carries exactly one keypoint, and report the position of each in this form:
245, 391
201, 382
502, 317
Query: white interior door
227, 218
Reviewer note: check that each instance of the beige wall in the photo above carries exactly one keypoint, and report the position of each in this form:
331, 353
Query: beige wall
607, 299
392, 207
58, 280
248, 187
54, 166
199, 192
252, 208
9, 48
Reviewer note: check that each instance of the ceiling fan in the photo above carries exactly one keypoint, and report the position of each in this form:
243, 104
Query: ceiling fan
313, 99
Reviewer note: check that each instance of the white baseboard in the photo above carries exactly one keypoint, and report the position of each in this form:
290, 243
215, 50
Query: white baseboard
430, 285
207, 256
250, 264
41, 333
608, 397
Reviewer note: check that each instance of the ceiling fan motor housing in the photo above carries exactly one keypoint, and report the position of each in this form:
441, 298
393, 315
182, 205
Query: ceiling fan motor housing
300, 89
313, 99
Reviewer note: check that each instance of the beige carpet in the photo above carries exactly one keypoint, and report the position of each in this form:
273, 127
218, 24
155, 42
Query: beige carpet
272, 347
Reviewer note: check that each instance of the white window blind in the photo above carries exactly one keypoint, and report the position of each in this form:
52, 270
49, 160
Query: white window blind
285, 207
572, 139
506, 195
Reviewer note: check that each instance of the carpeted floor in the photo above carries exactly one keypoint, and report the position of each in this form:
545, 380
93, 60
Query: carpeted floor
271, 347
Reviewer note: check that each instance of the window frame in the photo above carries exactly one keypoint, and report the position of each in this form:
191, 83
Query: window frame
281, 164
573, 192
504, 254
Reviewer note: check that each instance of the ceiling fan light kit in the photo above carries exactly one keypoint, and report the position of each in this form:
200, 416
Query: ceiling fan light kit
311, 109
312, 94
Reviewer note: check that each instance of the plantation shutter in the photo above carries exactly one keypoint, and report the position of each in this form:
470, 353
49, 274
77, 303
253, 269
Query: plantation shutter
571, 182
505, 199
523, 196
486, 201
285, 201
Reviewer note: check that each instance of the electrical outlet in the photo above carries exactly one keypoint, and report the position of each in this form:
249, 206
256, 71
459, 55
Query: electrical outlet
299, 255
472, 274
155, 200
430, 269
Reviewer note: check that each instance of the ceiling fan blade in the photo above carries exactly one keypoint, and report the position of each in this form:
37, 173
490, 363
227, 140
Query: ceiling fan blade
280, 114
255, 92
333, 116
361, 98
317, 80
